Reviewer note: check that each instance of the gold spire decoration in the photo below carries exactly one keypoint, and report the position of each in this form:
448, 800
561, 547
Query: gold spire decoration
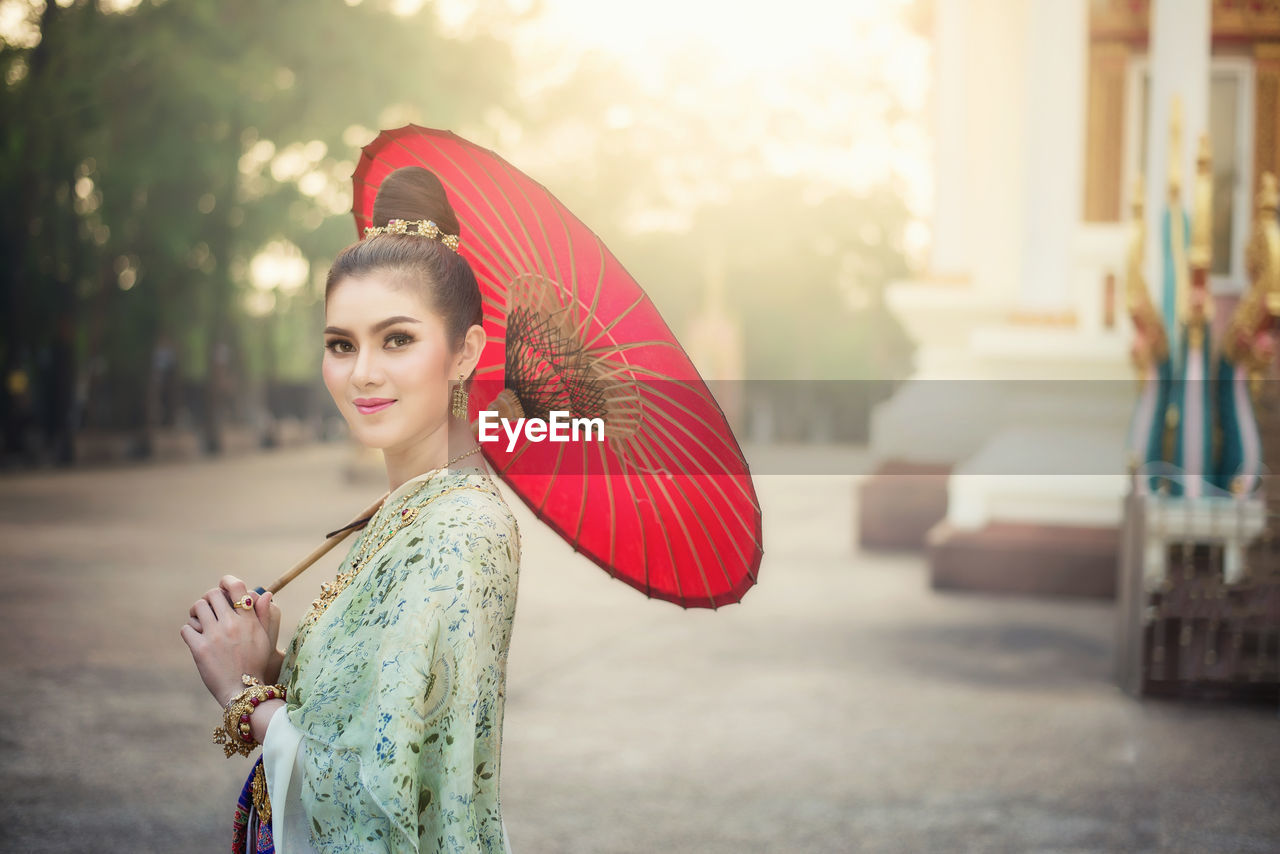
1202, 209
1177, 223
1175, 150
1261, 301
1198, 314
1146, 318
1262, 256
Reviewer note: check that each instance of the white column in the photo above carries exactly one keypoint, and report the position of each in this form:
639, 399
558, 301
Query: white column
952, 205
1179, 63
1054, 115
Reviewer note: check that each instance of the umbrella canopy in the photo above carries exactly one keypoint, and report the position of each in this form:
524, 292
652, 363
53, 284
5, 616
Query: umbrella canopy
664, 499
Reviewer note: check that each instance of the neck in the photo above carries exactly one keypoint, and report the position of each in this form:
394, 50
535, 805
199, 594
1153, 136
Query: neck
432, 451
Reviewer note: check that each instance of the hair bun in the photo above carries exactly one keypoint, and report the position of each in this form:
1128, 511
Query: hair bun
414, 193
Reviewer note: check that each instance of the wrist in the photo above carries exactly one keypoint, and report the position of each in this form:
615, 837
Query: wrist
260, 720
274, 665
234, 689
242, 728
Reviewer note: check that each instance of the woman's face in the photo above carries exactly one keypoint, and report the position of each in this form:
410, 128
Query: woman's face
382, 343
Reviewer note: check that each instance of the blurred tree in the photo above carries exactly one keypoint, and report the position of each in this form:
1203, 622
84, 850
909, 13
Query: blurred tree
152, 149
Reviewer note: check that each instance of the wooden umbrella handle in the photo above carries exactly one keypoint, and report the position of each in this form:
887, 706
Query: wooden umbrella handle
321, 550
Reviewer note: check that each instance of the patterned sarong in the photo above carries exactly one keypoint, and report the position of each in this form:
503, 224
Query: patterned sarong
249, 834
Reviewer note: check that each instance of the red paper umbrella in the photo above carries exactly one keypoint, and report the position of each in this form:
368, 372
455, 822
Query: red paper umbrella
664, 499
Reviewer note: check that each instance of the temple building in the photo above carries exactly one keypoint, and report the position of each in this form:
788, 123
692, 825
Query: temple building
1005, 454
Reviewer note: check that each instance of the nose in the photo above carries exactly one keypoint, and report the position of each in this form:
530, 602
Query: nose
367, 371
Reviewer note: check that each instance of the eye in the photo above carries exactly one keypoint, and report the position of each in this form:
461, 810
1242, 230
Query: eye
400, 336
336, 343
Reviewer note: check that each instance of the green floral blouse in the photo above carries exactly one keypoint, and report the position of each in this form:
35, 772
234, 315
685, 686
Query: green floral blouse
399, 686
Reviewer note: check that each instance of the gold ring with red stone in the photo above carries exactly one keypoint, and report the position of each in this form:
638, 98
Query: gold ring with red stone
245, 603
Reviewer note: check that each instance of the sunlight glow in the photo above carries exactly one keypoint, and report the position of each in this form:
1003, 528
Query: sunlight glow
280, 265
835, 91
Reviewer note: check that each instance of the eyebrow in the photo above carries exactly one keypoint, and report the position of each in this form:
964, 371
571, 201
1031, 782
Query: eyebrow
377, 327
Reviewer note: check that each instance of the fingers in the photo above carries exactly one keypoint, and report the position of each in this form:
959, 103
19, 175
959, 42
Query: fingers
234, 588
273, 624
194, 622
268, 614
217, 599
262, 607
204, 613
190, 636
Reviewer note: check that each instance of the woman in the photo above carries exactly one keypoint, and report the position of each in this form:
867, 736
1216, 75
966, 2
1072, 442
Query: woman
389, 732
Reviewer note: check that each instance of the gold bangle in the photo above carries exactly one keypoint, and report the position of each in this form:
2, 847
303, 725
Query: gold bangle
236, 734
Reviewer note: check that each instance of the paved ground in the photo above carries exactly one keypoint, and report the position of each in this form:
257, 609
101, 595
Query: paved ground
842, 706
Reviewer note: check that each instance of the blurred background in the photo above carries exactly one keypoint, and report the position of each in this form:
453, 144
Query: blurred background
927, 254
178, 178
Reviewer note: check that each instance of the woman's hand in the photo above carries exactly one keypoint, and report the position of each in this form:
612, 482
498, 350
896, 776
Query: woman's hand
268, 613
228, 642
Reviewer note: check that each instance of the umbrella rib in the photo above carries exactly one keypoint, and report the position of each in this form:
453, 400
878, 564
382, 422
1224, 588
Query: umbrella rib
723, 527
723, 473
630, 345
542, 505
516, 214
460, 196
697, 557
655, 373
484, 267
714, 428
573, 255
488, 260
497, 319
731, 449
652, 507
724, 497
722, 466
582, 505
644, 483
749, 497
516, 175
613, 511
595, 297
644, 540
680, 519
612, 323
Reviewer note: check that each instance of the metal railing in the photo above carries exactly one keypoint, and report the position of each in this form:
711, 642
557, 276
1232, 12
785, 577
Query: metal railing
1199, 592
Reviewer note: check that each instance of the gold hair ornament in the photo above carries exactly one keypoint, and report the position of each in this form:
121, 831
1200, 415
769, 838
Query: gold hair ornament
422, 227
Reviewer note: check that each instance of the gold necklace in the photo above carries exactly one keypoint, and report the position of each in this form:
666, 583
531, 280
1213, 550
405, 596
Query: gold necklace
329, 590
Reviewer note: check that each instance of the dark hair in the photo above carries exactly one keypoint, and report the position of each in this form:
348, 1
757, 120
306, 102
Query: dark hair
444, 277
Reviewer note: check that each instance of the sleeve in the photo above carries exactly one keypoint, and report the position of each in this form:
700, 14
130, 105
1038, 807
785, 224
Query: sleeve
282, 762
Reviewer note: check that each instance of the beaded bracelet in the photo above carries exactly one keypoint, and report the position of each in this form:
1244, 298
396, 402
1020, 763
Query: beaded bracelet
236, 735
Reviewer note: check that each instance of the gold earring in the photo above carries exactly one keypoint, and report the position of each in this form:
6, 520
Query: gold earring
459, 400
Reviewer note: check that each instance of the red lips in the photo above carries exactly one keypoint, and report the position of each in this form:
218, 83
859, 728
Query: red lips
368, 405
